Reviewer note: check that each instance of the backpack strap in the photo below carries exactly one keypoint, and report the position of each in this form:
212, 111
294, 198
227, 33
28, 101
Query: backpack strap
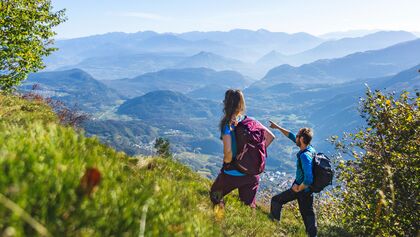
312, 154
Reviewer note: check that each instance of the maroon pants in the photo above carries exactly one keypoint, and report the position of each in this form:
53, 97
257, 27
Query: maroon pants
224, 184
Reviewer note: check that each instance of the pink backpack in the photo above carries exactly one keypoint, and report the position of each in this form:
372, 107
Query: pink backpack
251, 149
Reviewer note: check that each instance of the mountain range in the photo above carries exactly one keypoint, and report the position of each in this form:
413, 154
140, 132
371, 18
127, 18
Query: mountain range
260, 40
234, 41
338, 48
373, 63
252, 53
126, 65
346, 34
181, 80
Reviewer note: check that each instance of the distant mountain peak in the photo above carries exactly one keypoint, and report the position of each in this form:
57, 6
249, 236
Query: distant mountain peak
272, 58
73, 72
156, 103
206, 53
263, 30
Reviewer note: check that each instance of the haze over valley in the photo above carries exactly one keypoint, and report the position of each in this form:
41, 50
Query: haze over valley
140, 86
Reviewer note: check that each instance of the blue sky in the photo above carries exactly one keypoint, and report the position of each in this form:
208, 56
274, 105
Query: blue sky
88, 17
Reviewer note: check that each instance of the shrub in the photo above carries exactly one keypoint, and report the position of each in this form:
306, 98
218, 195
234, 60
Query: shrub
163, 147
67, 116
379, 192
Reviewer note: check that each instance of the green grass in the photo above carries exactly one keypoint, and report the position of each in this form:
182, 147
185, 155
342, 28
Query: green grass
42, 164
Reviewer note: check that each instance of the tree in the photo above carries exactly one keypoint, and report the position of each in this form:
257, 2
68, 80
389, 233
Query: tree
25, 36
380, 186
163, 147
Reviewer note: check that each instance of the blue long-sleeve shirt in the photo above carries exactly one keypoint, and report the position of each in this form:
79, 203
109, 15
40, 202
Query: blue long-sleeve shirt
304, 166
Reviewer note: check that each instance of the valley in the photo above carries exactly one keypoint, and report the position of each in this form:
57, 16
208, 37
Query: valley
145, 86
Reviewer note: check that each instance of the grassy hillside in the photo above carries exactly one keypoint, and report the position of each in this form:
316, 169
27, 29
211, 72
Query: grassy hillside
45, 184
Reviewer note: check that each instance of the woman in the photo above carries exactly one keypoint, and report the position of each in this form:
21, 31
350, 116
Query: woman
230, 179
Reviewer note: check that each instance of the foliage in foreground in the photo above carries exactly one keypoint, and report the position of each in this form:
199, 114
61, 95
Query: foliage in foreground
380, 188
25, 36
70, 185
